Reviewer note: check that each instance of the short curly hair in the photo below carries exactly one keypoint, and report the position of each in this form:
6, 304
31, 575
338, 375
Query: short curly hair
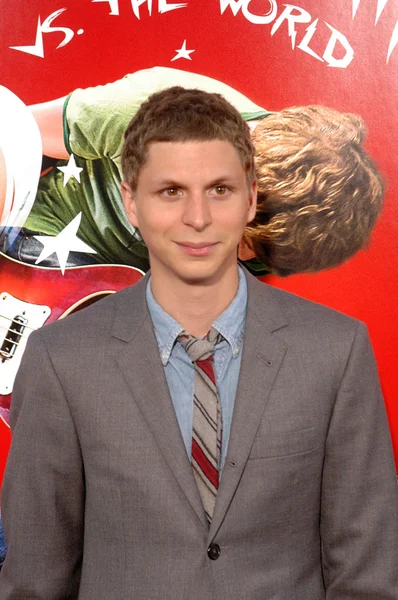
178, 114
319, 192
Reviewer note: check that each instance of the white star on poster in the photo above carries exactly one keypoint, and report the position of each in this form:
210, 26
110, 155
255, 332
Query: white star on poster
63, 243
183, 52
71, 170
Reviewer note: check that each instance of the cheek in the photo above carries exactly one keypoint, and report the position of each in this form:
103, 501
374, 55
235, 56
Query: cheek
232, 218
156, 218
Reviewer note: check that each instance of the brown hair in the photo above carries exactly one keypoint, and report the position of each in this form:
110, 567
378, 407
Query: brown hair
319, 193
177, 114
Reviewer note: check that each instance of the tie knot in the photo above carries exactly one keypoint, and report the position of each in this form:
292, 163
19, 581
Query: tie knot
200, 348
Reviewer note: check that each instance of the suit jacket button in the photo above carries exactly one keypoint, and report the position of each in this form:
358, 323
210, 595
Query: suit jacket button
213, 551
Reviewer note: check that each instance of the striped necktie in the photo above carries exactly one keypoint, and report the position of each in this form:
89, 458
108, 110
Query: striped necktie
206, 418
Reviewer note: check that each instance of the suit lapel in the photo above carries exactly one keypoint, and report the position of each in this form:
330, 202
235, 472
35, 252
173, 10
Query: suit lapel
261, 361
148, 386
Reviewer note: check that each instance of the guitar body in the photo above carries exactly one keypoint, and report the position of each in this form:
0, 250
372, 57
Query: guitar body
31, 296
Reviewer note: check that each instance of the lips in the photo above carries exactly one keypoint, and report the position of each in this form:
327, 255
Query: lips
196, 244
197, 248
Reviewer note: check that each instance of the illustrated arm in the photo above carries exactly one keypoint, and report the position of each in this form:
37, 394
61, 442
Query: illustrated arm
43, 493
91, 122
359, 509
96, 118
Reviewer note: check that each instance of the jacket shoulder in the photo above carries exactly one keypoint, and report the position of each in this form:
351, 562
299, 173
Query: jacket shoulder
294, 310
304, 309
98, 318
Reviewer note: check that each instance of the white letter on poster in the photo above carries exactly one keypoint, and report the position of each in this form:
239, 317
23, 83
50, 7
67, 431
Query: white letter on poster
341, 63
234, 5
164, 7
261, 19
38, 48
393, 41
303, 45
135, 5
46, 28
302, 16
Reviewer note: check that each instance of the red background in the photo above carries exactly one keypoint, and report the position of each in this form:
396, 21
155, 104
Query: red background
267, 70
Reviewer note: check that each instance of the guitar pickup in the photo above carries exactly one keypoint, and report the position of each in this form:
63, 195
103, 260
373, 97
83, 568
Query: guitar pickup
13, 337
17, 321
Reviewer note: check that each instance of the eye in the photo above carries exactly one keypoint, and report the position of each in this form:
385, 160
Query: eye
171, 192
220, 190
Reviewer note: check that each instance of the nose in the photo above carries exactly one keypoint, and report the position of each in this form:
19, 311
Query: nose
197, 212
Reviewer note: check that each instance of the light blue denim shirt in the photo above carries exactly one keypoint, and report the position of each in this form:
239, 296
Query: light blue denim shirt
179, 369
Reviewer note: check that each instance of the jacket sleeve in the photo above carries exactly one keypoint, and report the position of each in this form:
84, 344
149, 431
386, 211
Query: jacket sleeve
43, 492
359, 510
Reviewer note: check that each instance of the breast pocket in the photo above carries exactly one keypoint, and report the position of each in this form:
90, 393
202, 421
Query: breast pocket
284, 443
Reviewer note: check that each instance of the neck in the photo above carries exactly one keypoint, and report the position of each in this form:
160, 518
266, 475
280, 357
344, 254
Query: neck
196, 305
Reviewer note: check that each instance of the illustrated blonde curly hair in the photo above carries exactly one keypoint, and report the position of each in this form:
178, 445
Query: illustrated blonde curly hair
320, 193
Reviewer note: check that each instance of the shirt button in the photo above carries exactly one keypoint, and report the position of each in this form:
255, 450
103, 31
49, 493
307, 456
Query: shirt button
213, 551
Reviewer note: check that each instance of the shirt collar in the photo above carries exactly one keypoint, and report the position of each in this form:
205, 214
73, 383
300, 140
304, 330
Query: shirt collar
230, 323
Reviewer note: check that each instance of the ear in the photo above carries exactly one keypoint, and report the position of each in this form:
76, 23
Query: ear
129, 203
244, 250
252, 202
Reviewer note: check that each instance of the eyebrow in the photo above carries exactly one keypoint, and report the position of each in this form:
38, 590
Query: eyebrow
167, 183
224, 179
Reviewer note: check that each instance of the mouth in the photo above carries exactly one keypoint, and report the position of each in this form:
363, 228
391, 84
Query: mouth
197, 248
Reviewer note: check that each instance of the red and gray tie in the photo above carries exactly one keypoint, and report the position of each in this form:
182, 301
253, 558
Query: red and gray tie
206, 419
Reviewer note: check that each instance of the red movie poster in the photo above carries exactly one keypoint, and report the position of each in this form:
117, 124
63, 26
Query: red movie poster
73, 73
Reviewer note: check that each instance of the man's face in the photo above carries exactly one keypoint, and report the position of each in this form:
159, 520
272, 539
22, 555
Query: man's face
191, 205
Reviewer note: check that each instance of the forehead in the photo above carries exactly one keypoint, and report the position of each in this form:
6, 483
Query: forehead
194, 159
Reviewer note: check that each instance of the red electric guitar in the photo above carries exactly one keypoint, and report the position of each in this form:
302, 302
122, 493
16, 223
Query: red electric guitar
31, 296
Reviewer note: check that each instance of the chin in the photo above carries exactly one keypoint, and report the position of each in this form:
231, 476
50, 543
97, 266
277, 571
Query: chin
199, 274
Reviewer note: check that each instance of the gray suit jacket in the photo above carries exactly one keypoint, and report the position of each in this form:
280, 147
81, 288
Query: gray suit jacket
99, 482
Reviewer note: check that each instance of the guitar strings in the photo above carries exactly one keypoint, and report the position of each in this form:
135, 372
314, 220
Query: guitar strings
14, 321
16, 344
21, 336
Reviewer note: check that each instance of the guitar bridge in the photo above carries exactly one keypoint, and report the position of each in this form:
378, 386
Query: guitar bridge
17, 321
13, 337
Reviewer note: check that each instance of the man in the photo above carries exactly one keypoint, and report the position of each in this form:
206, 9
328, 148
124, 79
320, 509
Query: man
319, 192
251, 461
